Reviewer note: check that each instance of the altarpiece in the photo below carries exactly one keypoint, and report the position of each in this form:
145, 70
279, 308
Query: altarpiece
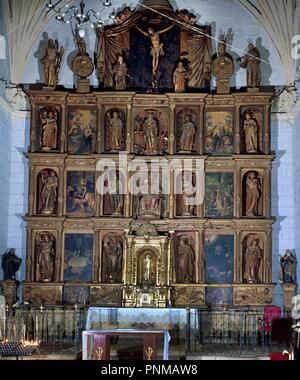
150, 250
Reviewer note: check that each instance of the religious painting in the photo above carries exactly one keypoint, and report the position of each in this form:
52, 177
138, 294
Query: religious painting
219, 259
43, 294
253, 259
219, 195
252, 130
114, 197
115, 130
78, 257
48, 131
47, 192
252, 194
151, 133
219, 296
82, 131
80, 201
185, 258
76, 295
187, 132
186, 194
219, 133
112, 257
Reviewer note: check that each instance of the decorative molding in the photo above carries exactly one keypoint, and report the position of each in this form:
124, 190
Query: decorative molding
6, 107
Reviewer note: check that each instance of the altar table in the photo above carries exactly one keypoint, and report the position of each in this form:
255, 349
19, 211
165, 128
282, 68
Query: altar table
96, 343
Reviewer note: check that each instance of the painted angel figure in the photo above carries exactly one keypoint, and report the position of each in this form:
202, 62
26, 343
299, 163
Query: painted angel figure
157, 48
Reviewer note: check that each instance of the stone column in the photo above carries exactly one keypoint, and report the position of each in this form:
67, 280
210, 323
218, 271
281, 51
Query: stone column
99, 132
238, 259
32, 190
61, 189
201, 259
97, 260
237, 131
267, 140
59, 257
33, 128
29, 257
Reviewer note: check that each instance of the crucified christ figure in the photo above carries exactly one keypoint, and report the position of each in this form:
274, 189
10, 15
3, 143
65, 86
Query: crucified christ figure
157, 48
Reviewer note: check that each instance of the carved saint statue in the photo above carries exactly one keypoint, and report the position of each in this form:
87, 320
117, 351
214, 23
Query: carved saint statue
116, 198
186, 262
49, 193
48, 129
45, 257
120, 71
157, 47
116, 126
113, 256
251, 62
150, 129
10, 265
288, 266
52, 61
251, 129
147, 268
253, 191
253, 258
179, 77
187, 138
188, 195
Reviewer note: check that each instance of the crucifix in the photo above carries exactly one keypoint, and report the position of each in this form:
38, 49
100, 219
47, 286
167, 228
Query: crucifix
157, 50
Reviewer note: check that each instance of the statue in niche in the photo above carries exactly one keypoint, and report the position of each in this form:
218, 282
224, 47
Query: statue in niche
148, 205
251, 63
188, 195
157, 50
49, 128
179, 78
253, 194
147, 268
251, 129
10, 265
186, 261
52, 61
49, 192
187, 138
253, 258
116, 198
288, 268
120, 72
116, 126
45, 250
113, 257
150, 129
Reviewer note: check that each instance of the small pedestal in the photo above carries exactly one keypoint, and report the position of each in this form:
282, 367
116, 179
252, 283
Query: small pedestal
223, 86
10, 292
83, 86
289, 291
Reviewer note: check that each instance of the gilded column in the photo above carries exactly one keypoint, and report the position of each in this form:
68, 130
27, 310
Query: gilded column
32, 186
201, 131
61, 190
172, 129
268, 259
33, 128
100, 129
59, 257
237, 278
97, 260
63, 133
267, 147
201, 258
29, 258
172, 195
238, 193
237, 130
129, 129
267, 196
